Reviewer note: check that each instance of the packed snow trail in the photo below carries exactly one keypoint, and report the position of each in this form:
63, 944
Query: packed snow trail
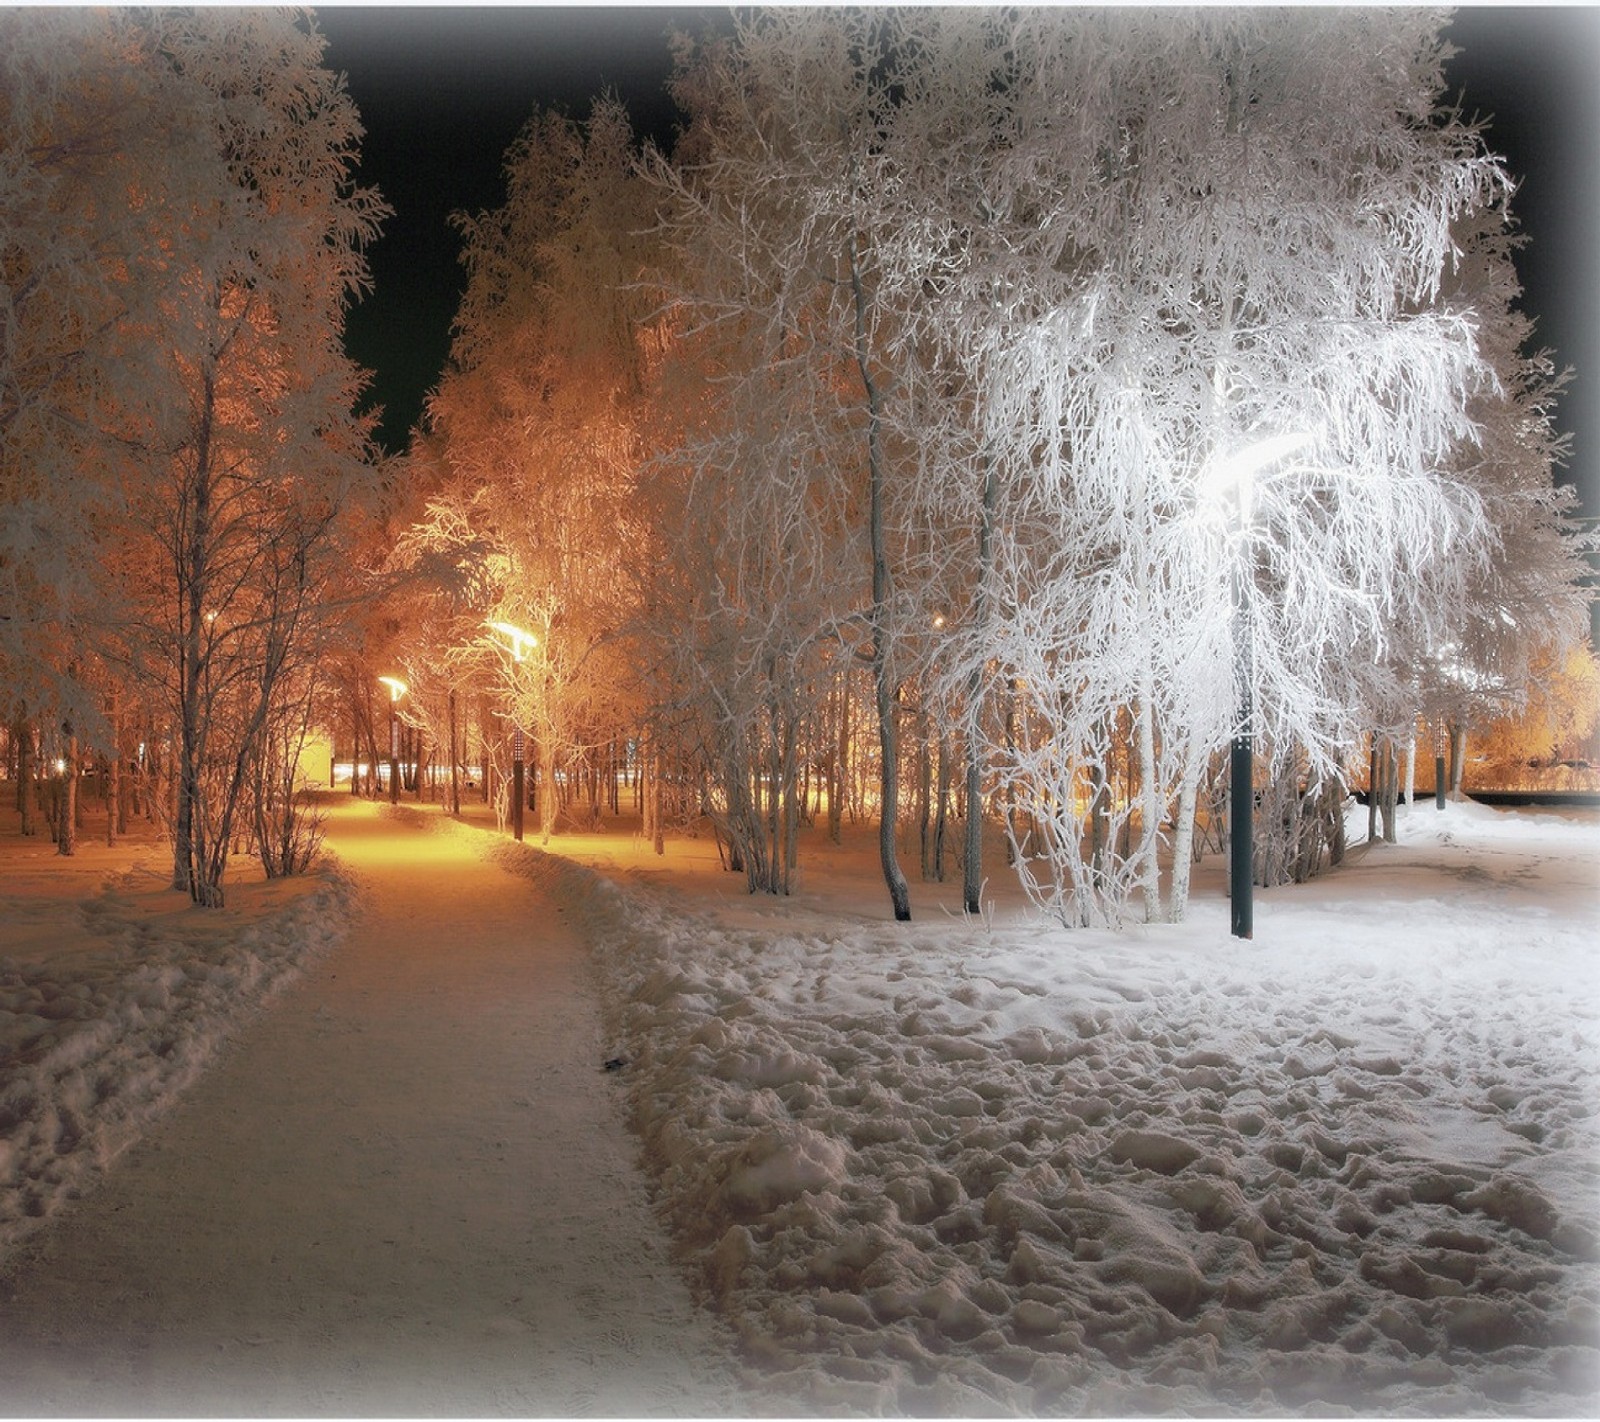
405, 1190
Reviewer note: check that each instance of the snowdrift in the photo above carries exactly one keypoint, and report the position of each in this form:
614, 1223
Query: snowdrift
119, 1004
969, 1170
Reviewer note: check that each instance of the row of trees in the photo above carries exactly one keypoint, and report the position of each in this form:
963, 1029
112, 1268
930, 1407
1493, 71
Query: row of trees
964, 375
910, 443
181, 475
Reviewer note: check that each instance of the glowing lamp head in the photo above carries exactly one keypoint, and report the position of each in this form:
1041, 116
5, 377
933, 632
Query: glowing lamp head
1233, 475
517, 637
397, 688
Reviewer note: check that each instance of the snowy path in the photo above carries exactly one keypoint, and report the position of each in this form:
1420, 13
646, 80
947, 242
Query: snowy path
404, 1190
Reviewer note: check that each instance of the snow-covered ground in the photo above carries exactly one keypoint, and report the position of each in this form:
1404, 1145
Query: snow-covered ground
963, 1167
970, 1167
115, 995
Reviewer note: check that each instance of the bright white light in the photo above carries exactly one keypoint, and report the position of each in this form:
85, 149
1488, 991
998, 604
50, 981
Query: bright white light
397, 688
1237, 471
517, 635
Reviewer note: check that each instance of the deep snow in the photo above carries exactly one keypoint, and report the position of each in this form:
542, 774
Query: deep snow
970, 1167
404, 1189
115, 995
994, 1166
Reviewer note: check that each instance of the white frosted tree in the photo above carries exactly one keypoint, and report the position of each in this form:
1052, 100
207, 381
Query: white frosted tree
245, 453
89, 140
1523, 601
800, 289
541, 420
1197, 234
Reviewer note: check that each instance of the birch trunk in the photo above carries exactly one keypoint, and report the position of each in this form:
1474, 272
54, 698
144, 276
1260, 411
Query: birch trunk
455, 759
67, 839
972, 865
114, 773
1183, 844
27, 777
882, 675
188, 845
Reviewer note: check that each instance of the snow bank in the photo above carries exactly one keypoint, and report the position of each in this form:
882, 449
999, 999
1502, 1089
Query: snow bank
99, 1034
958, 1169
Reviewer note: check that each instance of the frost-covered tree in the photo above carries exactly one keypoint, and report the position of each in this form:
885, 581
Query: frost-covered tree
181, 235
541, 422
1196, 234
1523, 601
790, 247
246, 453
91, 140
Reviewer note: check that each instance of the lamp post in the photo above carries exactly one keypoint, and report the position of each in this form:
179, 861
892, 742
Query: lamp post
1238, 470
397, 689
1438, 765
1241, 762
519, 784
518, 638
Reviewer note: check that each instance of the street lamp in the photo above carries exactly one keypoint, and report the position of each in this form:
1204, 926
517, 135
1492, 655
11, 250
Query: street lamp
397, 689
518, 639
1238, 471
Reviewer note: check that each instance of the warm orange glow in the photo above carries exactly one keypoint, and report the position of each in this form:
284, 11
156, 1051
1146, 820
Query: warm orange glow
517, 636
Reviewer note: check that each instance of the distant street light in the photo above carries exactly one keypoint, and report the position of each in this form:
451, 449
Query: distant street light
519, 638
397, 689
1236, 472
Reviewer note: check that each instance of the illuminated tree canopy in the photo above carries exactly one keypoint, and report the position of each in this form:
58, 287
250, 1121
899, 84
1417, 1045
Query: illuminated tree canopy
181, 461
904, 445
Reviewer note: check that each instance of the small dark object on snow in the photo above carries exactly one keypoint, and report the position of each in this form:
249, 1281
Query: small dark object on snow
616, 1063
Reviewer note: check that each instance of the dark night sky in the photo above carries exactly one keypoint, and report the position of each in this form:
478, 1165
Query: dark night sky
444, 90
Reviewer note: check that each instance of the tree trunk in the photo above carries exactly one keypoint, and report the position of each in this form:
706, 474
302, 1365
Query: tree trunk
942, 807
67, 838
545, 755
455, 758
839, 787
924, 799
27, 776
113, 794
792, 807
972, 841
1372, 791
420, 762
972, 865
193, 570
1391, 789
1458, 757
1099, 817
355, 747
882, 672
1183, 844
658, 808
1333, 796
1010, 807
1150, 805
374, 757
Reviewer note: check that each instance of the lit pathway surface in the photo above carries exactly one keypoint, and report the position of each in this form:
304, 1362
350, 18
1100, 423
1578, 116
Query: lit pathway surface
404, 1190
